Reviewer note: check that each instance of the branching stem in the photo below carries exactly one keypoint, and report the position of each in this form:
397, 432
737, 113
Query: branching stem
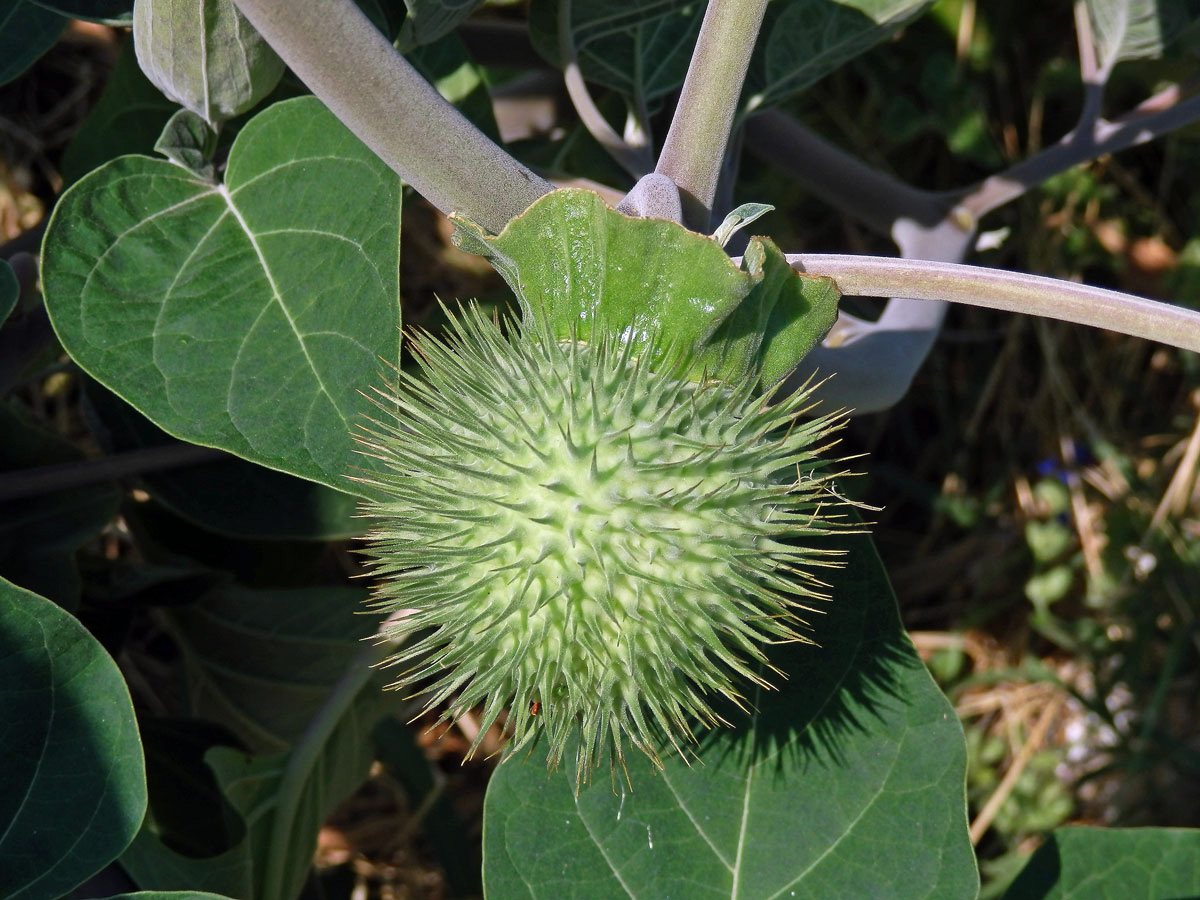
878, 276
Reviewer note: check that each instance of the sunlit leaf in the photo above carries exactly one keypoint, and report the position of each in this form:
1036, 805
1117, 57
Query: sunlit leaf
848, 781
246, 315
1137, 29
586, 266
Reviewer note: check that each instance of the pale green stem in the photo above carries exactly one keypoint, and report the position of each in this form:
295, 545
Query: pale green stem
694, 150
879, 276
378, 95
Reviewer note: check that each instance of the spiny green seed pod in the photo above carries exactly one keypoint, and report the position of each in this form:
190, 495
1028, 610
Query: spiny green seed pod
585, 540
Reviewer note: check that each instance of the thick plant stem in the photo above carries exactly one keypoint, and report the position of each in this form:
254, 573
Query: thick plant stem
879, 276
695, 146
366, 83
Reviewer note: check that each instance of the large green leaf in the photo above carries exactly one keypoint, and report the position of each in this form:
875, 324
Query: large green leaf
586, 266
39, 535
262, 662
205, 55
846, 782
428, 20
802, 41
283, 799
26, 32
246, 315
72, 787
1137, 29
1078, 863
638, 47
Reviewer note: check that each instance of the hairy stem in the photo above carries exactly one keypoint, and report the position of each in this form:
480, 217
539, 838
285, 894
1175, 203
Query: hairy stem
366, 83
878, 276
695, 146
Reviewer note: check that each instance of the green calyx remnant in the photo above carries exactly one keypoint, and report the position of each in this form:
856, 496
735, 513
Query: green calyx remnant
588, 539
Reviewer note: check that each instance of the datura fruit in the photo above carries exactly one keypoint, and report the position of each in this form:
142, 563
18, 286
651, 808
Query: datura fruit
582, 539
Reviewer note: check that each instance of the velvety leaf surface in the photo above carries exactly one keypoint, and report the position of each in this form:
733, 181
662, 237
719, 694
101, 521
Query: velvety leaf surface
40, 534
848, 781
112, 12
246, 315
26, 32
1078, 863
1137, 29
283, 799
262, 663
428, 20
586, 266
231, 497
72, 787
804, 40
10, 290
205, 55
639, 48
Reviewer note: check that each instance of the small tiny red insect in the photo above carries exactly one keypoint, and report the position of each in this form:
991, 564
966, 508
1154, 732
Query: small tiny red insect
535, 707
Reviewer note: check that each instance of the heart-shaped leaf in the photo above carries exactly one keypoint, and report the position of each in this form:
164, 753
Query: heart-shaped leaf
73, 786
846, 782
1078, 863
586, 266
245, 315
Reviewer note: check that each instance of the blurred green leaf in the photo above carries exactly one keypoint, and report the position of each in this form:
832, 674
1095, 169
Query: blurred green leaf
1080, 863
110, 12
639, 48
802, 41
168, 895
283, 799
247, 315
262, 662
586, 266
72, 787
1137, 29
205, 56
39, 535
128, 118
429, 20
26, 32
845, 782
